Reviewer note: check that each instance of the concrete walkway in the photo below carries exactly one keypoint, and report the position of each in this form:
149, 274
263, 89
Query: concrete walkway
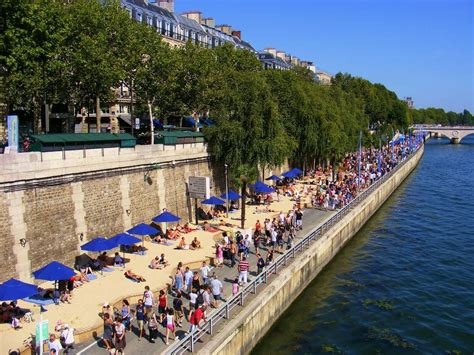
312, 218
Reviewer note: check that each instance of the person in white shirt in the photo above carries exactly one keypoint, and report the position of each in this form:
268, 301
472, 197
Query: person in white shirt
205, 272
54, 344
148, 300
67, 337
217, 289
188, 279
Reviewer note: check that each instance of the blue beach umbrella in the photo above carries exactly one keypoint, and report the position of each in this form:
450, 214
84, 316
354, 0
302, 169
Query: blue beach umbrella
54, 271
290, 174
14, 289
213, 201
124, 239
273, 177
98, 244
260, 187
298, 171
143, 229
166, 217
232, 196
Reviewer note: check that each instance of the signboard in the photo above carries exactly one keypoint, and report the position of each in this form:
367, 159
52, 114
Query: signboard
41, 333
13, 132
137, 123
199, 187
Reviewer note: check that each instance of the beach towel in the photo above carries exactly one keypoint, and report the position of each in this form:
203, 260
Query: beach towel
38, 299
92, 277
107, 269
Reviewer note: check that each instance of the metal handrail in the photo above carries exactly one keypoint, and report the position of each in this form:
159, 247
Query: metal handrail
223, 312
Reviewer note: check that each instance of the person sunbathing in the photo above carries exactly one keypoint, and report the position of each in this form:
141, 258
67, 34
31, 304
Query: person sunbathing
188, 229
195, 244
155, 263
132, 276
158, 239
172, 234
182, 244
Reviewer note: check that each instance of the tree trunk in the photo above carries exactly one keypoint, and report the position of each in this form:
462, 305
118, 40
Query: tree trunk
152, 127
242, 216
36, 114
98, 114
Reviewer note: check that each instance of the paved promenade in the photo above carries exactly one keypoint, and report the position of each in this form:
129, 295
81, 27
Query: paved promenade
312, 218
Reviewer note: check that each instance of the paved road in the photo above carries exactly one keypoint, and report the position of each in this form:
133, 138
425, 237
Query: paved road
226, 274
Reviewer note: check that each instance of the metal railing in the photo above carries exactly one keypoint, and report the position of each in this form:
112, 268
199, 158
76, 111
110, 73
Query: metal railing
187, 343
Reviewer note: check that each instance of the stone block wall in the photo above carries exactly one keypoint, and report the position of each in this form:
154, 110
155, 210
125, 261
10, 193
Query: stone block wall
8, 258
103, 207
50, 225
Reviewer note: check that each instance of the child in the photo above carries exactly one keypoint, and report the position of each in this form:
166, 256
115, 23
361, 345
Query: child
235, 287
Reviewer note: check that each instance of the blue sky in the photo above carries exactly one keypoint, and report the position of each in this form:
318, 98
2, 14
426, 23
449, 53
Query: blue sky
418, 48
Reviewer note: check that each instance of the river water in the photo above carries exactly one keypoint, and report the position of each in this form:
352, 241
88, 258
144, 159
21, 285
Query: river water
405, 283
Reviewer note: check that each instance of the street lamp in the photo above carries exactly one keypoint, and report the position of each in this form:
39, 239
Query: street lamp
226, 189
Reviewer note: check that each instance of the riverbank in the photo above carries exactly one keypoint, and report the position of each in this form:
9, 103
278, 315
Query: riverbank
240, 334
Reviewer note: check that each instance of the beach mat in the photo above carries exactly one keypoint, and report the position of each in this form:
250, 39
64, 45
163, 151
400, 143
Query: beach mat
37, 299
108, 269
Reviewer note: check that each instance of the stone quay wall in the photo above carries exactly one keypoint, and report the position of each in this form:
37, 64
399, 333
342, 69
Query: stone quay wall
54, 202
243, 332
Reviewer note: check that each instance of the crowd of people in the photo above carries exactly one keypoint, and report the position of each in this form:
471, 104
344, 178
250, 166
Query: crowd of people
335, 188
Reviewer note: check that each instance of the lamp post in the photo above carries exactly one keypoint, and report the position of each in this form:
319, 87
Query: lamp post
226, 189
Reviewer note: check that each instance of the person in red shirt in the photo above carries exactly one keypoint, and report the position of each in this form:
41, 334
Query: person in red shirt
195, 318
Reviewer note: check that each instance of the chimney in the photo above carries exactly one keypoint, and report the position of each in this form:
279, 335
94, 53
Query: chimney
210, 22
272, 51
193, 15
237, 34
166, 4
281, 54
225, 28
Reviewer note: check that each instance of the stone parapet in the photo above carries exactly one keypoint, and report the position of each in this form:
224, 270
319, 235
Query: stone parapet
38, 165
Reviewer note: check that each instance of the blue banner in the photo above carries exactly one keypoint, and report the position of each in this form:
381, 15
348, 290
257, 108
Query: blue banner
13, 132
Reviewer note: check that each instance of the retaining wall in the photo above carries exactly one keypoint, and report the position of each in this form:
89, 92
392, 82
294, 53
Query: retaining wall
243, 332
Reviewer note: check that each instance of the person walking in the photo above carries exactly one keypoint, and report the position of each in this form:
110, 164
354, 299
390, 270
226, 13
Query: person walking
148, 301
178, 307
205, 272
67, 338
162, 302
188, 280
126, 315
153, 327
195, 317
233, 253
217, 289
260, 263
170, 328
140, 315
120, 342
243, 268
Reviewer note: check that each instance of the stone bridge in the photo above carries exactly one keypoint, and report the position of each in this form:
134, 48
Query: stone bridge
455, 133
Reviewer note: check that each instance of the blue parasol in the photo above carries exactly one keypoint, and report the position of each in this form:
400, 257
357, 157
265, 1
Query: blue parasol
213, 201
260, 187
14, 289
290, 174
124, 239
99, 244
232, 196
54, 271
166, 217
273, 177
143, 229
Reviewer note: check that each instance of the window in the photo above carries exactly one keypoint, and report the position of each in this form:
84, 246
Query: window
150, 20
139, 16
